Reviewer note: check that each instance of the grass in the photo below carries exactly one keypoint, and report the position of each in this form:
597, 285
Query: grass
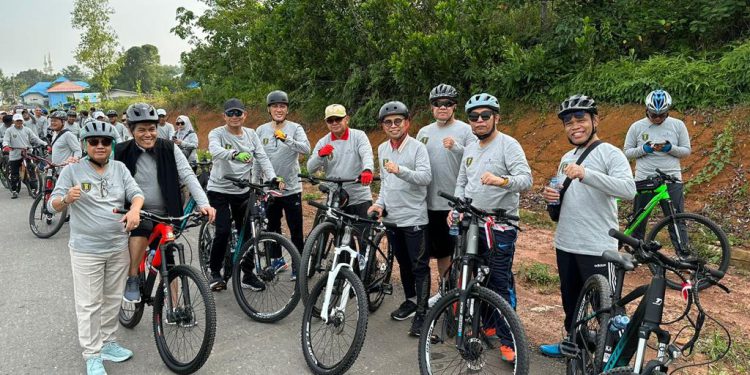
737, 358
536, 219
539, 275
311, 196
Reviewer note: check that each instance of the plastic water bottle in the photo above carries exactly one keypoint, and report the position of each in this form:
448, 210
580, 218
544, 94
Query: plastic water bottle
149, 260
554, 183
454, 223
618, 322
362, 261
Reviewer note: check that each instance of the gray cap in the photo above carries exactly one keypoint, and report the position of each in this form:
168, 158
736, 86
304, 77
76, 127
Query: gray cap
234, 103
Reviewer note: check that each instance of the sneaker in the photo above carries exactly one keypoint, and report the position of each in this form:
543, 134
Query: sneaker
551, 350
34, 192
507, 354
405, 311
294, 276
217, 282
14, 195
433, 300
112, 351
132, 290
416, 325
94, 366
252, 282
279, 264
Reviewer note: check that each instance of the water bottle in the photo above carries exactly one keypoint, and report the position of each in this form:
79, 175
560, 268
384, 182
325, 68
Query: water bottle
454, 223
554, 183
362, 261
618, 322
149, 260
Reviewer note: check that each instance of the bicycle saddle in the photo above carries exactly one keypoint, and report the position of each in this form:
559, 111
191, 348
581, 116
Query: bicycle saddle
621, 260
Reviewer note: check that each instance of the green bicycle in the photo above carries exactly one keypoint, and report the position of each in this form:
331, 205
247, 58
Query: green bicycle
684, 235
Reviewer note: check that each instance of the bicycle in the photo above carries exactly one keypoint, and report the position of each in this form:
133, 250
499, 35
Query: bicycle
457, 334
691, 235
45, 223
601, 340
5, 171
27, 164
184, 311
202, 171
337, 303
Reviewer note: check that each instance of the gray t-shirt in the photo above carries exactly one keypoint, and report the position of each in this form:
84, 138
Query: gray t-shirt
223, 145
351, 155
94, 228
589, 209
284, 155
404, 195
503, 157
189, 144
642, 131
165, 131
74, 128
64, 146
445, 163
122, 131
19, 139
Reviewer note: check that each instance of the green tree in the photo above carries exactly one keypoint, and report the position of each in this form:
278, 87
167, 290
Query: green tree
74, 73
139, 63
97, 49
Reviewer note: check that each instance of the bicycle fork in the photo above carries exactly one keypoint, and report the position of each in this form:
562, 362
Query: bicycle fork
334, 273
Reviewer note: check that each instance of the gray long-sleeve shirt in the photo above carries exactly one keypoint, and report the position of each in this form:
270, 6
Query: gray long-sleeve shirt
404, 194
3, 128
189, 144
445, 163
352, 154
74, 128
503, 157
223, 145
589, 209
19, 138
284, 155
64, 146
165, 131
122, 131
94, 228
642, 131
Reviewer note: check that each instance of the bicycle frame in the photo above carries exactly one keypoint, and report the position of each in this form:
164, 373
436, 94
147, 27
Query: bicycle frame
335, 269
662, 194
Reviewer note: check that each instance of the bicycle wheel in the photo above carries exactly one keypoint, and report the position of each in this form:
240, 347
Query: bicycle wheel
4, 179
379, 271
43, 222
32, 188
332, 347
696, 236
131, 313
317, 257
590, 336
185, 336
280, 296
205, 242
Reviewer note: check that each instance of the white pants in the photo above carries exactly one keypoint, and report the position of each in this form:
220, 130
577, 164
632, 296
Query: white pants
98, 283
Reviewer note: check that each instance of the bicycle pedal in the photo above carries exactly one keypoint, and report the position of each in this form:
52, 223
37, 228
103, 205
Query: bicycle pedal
569, 349
387, 289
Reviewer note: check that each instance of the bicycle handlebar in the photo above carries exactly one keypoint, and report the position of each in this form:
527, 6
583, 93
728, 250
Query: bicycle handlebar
340, 181
241, 182
370, 220
158, 218
465, 206
666, 177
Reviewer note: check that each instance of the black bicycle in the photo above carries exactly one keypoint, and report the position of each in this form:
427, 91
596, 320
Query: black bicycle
44, 223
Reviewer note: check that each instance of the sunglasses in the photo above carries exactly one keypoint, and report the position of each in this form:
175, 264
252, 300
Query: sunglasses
179, 123
579, 115
486, 115
396, 122
94, 142
654, 115
333, 120
233, 113
443, 103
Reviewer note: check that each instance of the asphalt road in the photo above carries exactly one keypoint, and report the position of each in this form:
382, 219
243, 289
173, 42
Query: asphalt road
38, 325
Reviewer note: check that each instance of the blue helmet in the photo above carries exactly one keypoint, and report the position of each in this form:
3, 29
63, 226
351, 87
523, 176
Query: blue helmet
482, 100
658, 102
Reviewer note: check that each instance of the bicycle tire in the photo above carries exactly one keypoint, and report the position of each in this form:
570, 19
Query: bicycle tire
274, 281
620, 371
160, 324
46, 227
595, 296
130, 314
706, 240
205, 242
311, 319
4, 177
378, 272
27, 181
429, 338
310, 273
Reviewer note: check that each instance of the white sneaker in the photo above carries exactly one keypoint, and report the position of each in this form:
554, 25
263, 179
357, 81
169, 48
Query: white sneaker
433, 300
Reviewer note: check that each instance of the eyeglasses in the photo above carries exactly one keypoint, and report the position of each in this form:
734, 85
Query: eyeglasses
233, 113
333, 120
655, 115
94, 142
443, 103
486, 115
179, 123
569, 116
390, 123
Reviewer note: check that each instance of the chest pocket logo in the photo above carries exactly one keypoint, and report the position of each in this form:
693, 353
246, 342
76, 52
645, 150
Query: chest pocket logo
425, 140
227, 146
265, 141
385, 161
562, 167
86, 186
469, 161
644, 136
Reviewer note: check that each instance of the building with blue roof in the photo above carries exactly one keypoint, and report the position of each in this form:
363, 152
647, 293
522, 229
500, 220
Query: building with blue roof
39, 93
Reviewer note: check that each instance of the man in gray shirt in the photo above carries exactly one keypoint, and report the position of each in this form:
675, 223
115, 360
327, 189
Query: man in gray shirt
405, 173
445, 140
165, 129
657, 142
71, 123
493, 173
122, 131
65, 145
15, 140
41, 123
284, 141
160, 168
589, 208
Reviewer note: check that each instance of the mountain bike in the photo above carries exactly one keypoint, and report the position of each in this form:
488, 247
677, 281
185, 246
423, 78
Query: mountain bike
44, 223
690, 235
27, 169
457, 336
184, 317
603, 340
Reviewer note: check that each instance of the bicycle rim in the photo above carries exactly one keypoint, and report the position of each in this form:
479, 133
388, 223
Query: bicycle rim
379, 271
43, 222
590, 335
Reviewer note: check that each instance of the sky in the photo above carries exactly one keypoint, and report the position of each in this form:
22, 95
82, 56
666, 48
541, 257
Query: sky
43, 26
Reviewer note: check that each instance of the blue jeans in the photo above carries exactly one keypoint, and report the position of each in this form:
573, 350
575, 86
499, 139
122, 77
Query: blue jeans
500, 280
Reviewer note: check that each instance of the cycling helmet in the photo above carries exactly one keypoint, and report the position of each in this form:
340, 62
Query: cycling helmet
141, 112
658, 102
482, 100
443, 91
111, 112
575, 103
61, 115
98, 128
277, 96
72, 113
392, 108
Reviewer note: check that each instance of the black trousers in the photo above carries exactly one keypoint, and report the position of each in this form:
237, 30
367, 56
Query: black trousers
291, 206
15, 175
642, 198
440, 243
228, 207
408, 244
574, 270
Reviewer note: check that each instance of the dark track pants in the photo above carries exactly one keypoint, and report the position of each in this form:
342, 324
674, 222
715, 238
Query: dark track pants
574, 270
408, 244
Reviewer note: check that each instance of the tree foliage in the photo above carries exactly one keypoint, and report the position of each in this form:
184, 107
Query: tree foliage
74, 73
141, 70
97, 49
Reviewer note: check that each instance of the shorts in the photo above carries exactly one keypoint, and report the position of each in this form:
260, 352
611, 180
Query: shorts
440, 244
143, 229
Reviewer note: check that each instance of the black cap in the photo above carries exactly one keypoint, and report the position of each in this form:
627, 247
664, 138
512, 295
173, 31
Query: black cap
234, 103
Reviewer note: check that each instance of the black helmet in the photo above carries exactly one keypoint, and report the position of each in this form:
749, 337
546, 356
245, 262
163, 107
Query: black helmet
61, 115
393, 108
443, 91
98, 128
8, 119
141, 112
111, 112
575, 103
72, 113
277, 96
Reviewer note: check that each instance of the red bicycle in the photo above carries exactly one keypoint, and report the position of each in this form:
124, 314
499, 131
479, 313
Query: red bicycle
44, 223
184, 319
